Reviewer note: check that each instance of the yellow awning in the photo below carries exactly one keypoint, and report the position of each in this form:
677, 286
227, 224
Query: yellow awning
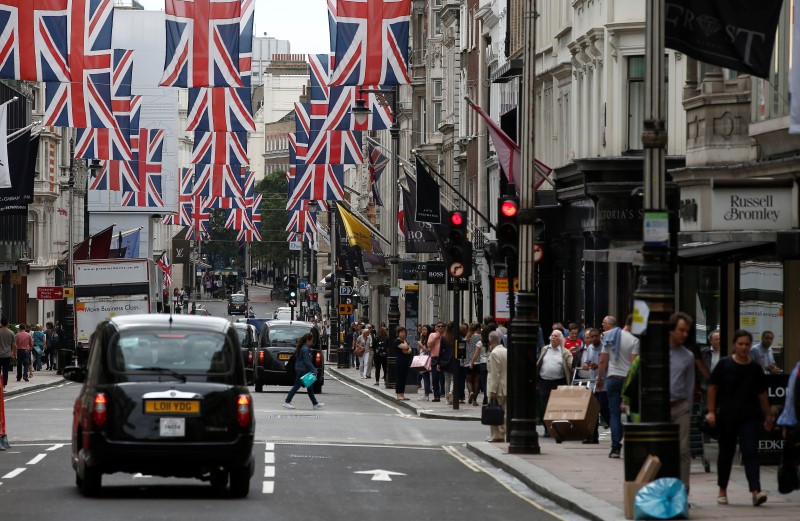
357, 234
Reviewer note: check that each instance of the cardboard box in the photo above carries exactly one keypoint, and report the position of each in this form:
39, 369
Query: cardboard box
572, 412
646, 474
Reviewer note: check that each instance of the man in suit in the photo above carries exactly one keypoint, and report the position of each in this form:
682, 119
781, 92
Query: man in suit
497, 381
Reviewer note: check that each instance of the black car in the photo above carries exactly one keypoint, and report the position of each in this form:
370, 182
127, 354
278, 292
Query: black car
163, 395
276, 345
248, 339
237, 304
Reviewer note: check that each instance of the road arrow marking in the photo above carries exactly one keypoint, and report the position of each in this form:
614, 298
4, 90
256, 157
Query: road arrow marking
380, 475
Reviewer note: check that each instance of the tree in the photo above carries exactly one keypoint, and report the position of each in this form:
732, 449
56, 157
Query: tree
273, 249
222, 248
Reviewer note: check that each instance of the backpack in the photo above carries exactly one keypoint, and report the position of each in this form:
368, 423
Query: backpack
54, 340
380, 348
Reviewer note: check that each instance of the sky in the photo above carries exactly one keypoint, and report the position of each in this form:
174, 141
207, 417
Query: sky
303, 22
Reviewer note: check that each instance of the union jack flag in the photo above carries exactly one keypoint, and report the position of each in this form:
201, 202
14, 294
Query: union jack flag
163, 263
147, 158
217, 181
85, 102
336, 147
114, 175
220, 110
246, 41
372, 42
302, 118
332, 23
199, 216
220, 148
377, 164
302, 221
149, 196
318, 183
185, 184
35, 40
202, 43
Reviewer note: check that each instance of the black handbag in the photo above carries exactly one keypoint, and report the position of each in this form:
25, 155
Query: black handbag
492, 414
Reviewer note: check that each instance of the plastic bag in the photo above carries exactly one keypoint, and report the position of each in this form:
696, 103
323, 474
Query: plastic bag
664, 498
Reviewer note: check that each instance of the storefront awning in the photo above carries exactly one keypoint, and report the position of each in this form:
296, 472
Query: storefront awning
622, 254
691, 252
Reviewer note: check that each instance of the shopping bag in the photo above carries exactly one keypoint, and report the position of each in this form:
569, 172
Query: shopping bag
421, 362
663, 498
308, 379
492, 414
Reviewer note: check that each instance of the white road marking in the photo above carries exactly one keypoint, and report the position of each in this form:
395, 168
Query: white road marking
267, 488
380, 475
371, 397
14, 473
269, 471
269, 446
269, 458
358, 445
37, 459
56, 446
28, 393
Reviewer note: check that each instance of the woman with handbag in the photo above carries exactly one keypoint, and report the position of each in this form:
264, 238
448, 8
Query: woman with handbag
472, 362
402, 362
497, 383
738, 407
446, 362
302, 366
425, 374
38, 346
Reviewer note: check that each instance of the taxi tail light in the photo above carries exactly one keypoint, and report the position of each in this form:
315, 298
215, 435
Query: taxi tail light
249, 358
100, 410
318, 359
243, 410
261, 358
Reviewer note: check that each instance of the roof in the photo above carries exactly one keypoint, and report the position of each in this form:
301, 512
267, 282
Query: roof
164, 321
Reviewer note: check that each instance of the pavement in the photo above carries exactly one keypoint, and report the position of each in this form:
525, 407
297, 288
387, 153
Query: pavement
580, 478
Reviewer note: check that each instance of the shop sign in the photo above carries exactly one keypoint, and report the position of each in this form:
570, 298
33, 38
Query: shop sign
749, 208
621, 218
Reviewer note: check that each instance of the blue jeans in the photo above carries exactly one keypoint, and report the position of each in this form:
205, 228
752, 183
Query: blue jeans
614, 390
23, 364
297, 385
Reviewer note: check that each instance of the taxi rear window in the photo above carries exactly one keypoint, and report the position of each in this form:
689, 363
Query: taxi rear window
237, 299
186, 352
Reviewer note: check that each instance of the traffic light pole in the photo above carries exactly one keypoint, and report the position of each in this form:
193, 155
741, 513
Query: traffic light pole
522, 338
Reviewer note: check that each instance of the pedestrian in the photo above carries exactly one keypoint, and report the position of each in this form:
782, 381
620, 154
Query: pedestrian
381, 354
620, 348
38, 346
349, 342
572, 342
402, 363
49, 356
434, 345
7, 349
422, 349
711, 354
738, 407
208, 285
24, 344
762, 354
554, 369
681, 386
498, 382
363, 346
446, 362
302, 366
591, 362
472, 360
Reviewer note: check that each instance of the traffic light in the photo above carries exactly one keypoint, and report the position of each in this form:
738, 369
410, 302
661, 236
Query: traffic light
458, 254
314, 297
329, 287
508, 231
291, 290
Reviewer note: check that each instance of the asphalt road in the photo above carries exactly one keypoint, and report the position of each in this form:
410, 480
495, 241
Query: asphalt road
357, 458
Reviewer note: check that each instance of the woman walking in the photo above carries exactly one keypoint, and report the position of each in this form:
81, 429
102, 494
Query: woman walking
302, 366
446, 363
422, 348
738, 407
38, 347
381, 358
472, 362
402, 362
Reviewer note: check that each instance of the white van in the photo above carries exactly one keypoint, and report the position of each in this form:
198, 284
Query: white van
283, 313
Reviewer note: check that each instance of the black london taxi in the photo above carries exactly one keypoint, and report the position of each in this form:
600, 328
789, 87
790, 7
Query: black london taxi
237, 304
276, 345
163, 395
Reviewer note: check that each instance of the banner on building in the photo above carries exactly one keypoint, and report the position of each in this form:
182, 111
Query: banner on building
21, 163
420, 237
357, 234
735, 34
428, 209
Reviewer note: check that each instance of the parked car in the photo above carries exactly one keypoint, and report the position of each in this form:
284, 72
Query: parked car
163, 395
248, 339
276, 345
237, 304
283, 313
200, 310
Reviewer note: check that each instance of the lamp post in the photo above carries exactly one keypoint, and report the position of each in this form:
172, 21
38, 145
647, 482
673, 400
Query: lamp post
655, 434
69, 312
361, 113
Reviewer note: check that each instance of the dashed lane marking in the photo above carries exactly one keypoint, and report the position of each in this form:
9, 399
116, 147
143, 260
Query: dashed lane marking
269, 458
269, 446
37, 459
14, 473
268, 487
269, 471
56, 446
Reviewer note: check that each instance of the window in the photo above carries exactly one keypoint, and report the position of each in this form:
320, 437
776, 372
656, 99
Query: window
437, 23
437, 114
437, 88
436, 98
635, 101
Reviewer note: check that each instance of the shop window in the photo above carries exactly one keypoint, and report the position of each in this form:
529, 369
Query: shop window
636, 93
761, 302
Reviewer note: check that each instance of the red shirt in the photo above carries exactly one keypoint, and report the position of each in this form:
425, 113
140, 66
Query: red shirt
24, 341
572, 345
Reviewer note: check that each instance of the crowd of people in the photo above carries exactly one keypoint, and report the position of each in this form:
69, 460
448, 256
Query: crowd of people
29, 348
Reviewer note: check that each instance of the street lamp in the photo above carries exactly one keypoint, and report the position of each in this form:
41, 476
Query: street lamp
361, 114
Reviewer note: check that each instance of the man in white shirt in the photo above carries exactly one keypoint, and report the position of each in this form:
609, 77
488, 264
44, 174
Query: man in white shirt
620, 349
761, 353
712, 354
681, 386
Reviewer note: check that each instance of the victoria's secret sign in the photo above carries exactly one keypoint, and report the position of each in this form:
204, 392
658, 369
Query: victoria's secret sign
751, 209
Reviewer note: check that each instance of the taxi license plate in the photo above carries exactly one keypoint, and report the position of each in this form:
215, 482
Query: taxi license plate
284, 356
172, 407
172, 427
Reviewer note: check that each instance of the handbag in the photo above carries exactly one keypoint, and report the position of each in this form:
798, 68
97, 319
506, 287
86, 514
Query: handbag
421, 362
493, 414
308, 379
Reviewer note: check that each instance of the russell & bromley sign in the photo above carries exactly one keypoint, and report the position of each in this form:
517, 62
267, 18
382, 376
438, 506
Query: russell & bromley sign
751, 209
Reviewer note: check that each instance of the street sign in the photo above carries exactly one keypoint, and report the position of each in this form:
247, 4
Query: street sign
345, 291
436, 273
302, 284
292, 303
456, 269
295, 246
345, 309
459, 283
69, 292
49, 293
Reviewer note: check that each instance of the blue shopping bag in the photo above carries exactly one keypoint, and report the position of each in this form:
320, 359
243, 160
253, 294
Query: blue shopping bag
664, 498
308, 379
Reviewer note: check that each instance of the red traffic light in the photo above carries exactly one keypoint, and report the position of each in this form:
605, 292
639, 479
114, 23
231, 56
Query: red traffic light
509, 208
456, 219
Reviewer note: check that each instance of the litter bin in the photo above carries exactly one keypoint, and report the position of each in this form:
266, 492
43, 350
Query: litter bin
658, 439
64, 359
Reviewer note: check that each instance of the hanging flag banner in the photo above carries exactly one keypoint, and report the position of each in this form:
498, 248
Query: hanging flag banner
357, 234
21, 160
420, 237
428, 196
735, 34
